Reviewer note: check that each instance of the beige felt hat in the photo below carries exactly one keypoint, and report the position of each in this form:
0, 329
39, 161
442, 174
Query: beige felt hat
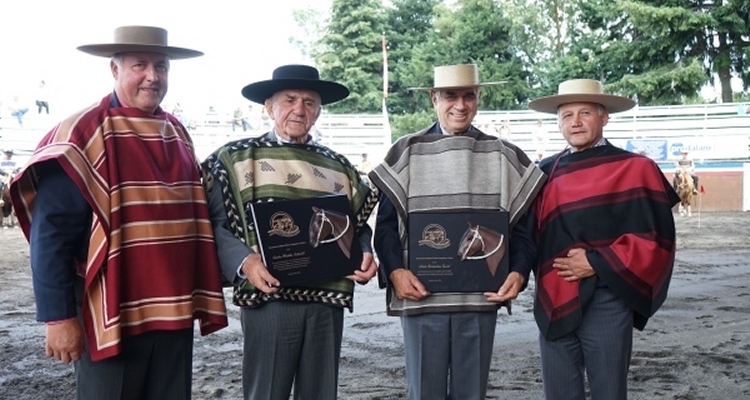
139, 39
457, 76
581, 91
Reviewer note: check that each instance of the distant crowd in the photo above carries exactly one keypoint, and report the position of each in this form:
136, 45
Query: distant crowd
251, 119
17, 105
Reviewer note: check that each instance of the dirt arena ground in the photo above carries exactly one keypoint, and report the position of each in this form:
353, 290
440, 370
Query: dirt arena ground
697, 347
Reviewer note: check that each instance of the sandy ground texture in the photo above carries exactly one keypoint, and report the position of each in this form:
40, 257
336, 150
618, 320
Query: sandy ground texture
696, 347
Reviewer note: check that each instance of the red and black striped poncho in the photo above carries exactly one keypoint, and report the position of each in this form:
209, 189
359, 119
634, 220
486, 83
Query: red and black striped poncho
616, 205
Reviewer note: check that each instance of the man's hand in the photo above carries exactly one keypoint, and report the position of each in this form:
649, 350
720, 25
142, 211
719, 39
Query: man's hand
258, 275
575, 267
407, 285
366, 271
510, 289
64, 340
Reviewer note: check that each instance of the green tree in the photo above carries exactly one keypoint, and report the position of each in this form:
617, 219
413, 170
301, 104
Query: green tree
654, 49
409, 23
312, 24
351, 54
467, 31
478, 32
549, 36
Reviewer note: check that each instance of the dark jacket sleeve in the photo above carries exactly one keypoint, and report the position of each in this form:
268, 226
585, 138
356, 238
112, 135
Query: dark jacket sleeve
59, 236
387, 243
232, 251
522, 252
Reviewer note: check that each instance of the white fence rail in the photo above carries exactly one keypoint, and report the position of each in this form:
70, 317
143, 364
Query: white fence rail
708, 132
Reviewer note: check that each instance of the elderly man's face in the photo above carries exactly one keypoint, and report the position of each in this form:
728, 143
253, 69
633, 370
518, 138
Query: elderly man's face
140, 79
294, 112
455, 108
581, 124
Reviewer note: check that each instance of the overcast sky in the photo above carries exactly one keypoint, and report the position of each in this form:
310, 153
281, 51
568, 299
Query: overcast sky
243, 42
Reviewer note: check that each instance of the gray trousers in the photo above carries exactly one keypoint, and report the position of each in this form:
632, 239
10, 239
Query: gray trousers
154, 365
448, 354
291, 343
601, 346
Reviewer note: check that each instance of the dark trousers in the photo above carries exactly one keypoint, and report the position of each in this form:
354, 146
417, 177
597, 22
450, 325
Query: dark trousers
448, 355
241, 122
154, 365
291, 344
601, 348
42, 104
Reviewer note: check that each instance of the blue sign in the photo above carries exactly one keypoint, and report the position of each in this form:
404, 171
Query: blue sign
653, 149
678, 147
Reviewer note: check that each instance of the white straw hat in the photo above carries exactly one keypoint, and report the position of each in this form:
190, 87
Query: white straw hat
457, 76
581, 91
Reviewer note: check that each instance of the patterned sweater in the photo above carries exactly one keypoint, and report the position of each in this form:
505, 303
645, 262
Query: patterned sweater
264, 169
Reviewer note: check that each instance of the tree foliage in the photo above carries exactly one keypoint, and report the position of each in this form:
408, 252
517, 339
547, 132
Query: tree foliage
654, 51
351, 54
409, 24
642, 40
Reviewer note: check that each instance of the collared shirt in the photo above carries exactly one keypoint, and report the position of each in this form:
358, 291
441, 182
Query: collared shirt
275, 136
450, 134
601, 142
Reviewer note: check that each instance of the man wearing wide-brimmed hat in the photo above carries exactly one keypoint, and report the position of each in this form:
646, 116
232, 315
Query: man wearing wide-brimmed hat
451, 165
606, 243
8, 165
292, 333
685, 163
122, 250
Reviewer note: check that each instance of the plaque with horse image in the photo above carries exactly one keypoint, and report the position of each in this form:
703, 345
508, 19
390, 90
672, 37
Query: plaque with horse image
307, 240
459, 251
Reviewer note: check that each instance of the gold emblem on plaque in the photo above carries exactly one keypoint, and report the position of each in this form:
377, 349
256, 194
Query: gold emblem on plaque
282, 224
434, 235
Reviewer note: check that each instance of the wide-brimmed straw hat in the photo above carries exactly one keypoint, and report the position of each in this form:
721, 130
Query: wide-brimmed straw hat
581, 91
457, 76
295, 77
139, 39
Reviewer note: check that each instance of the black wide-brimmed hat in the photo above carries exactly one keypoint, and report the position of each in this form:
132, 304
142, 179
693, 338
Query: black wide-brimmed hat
290, 77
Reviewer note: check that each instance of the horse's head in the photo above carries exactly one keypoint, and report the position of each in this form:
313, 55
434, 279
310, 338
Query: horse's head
682, 177
318, 228
470, 243
478, 239
327, 226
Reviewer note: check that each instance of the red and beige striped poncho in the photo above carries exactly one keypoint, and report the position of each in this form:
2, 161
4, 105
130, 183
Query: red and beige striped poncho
152, 262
